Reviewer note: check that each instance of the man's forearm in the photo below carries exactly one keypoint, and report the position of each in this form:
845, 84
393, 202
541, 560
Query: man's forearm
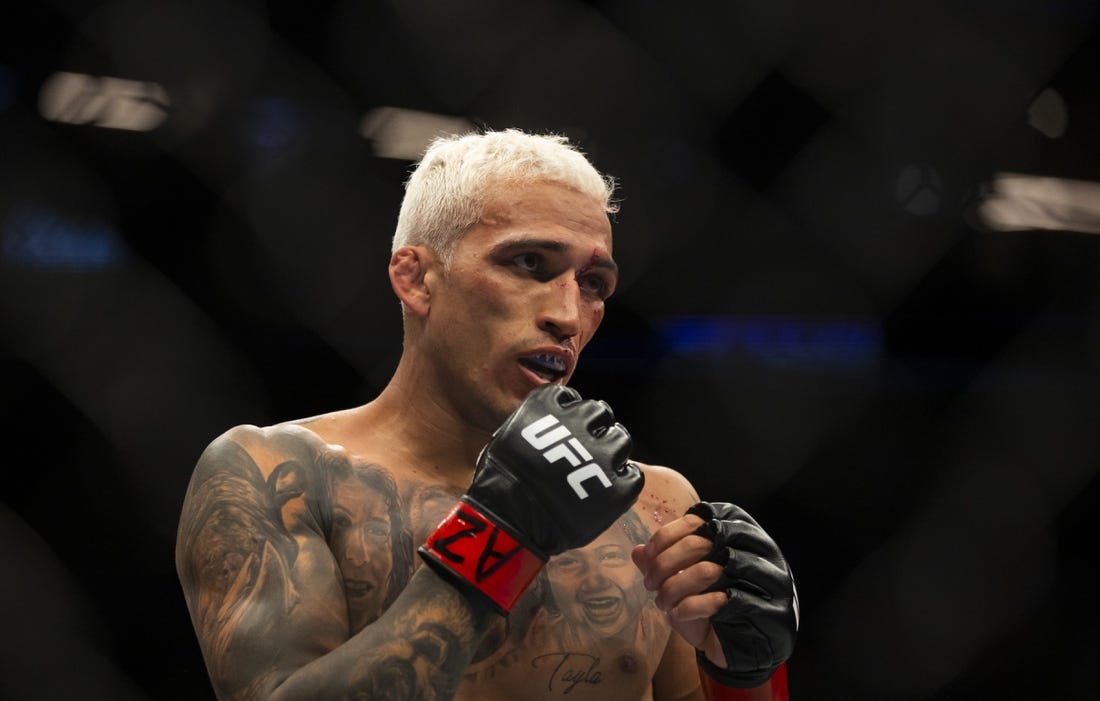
419, 648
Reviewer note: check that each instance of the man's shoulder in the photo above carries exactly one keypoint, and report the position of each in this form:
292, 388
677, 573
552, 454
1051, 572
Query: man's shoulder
314, 428
666, 490
261, 445
251, 436
664, 478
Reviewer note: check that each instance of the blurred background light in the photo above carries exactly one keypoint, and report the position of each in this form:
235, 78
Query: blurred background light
39, 237
405, 134
810, 343
1018, 202
275, 125
113, 103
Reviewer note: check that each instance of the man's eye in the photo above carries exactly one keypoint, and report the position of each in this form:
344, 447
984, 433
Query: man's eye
527, 261
594, 285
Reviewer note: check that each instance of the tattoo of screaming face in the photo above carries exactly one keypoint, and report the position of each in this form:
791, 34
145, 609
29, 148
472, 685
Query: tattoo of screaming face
587, 623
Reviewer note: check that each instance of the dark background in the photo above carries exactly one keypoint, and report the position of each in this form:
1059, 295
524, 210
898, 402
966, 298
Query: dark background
814, 320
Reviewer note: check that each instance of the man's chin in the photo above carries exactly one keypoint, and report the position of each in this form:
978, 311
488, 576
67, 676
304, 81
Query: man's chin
507, 403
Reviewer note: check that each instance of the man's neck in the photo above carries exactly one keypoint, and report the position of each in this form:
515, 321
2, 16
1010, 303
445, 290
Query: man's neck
432, 434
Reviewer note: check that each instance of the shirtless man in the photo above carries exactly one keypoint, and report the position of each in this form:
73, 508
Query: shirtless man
301, 545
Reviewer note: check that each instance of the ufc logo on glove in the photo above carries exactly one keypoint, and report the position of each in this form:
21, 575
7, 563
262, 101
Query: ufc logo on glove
519, 511
548, 431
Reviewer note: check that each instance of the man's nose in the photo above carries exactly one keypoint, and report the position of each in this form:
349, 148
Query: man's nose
560, 314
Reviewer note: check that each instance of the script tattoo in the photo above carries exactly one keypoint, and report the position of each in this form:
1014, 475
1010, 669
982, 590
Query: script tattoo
587, 626
571, 669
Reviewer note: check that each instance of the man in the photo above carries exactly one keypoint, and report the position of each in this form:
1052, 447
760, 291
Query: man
295, 545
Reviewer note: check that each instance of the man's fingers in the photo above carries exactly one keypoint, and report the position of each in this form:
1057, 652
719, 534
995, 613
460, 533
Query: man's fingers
698, 607
670, 533
685, 583
678, 556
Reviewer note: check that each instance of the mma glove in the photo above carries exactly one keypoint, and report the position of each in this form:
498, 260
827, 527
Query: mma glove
553, 477
757, 627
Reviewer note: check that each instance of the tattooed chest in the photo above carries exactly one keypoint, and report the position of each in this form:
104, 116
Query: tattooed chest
585, 625
548, 652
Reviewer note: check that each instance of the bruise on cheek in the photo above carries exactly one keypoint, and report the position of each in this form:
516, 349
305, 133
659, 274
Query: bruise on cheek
493, 296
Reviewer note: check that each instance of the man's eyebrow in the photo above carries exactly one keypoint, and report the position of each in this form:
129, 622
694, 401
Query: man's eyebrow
553, 246
530, 242
602, 263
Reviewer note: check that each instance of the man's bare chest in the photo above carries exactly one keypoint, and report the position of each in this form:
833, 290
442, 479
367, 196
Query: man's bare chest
551, 655
586, 627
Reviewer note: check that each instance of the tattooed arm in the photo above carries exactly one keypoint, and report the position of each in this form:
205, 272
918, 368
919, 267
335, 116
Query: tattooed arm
266, 595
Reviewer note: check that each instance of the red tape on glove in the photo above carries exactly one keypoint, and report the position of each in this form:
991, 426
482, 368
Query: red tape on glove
775, 689
484, 555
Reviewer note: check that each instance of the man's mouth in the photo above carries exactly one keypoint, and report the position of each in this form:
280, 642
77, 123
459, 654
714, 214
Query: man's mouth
547, 366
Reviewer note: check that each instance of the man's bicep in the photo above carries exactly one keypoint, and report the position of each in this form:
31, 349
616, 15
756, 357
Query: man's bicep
264, 600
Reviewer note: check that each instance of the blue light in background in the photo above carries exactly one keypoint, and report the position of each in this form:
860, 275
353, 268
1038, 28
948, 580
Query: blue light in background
275, 125
8, 87
808, 342
43, 238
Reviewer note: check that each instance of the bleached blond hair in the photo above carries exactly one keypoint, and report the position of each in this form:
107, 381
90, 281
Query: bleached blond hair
447, 191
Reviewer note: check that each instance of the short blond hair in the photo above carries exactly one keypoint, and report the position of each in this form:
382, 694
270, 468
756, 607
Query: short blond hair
446, 193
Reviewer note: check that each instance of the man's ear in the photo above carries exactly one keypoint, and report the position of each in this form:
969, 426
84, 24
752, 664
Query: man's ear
411, 275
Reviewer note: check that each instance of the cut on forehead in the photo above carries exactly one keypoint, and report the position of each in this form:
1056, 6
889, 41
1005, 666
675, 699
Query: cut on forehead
447, 192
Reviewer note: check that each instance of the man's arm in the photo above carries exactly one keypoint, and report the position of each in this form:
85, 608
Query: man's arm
265, 595
727, 590
677, 676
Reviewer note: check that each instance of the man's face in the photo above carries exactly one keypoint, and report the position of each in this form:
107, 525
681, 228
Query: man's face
522, 296
598, 586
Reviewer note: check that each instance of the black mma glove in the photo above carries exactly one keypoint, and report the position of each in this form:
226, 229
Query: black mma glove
554, 476
757, 627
